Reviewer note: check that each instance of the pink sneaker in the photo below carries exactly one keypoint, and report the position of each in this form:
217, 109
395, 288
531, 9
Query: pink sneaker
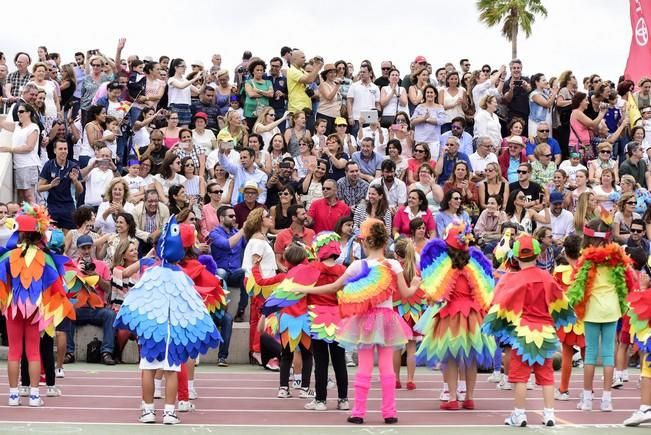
273, 365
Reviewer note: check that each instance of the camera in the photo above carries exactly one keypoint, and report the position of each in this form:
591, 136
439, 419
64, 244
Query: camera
240, 70
87, 266
309, 92
603, 106
517, 83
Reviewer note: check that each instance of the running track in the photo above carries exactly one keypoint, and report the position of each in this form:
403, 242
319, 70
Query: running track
104, 399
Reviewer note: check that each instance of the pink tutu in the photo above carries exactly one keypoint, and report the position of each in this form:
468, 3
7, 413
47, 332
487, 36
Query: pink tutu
379, 326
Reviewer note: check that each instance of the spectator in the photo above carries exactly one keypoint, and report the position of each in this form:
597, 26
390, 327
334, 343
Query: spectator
58, 177
208, 109
282, 177
378, 136
352, 188
187, 148
202, 138
520, 210
125, 231
636, 238
376, 206
480, 159
149, 215
369, 161
448, 158
460, 181
624, 218
306, 158
562, 221
179, 199
294, 135
487, 122
250, 194
277, 151
416, 87
393, 98
571, 167
516, 92
311, 186
607, 190
84, 220
227, 247
421, 157
134, 181
487, 228
451, 211
416, 206
154, 150
17, 80
279, 212
401, 130
171, 130
602, 162
99, 316
487, 84
91, 84
142, 128
427, 119
268, 124
243, 173
212, 201
494, 184
52, 103
237, 130
116, 201
543, 167
426, 182
363, 95
295, 232
516, 128
5, 232
453, 99
180, 90
154, 86
395, 190
169, 174
330, 97
334, 154
543, 136
635, 165
258, 91
532, 190
545, 260
298, 80
98, 174
585, 211
126, 255
541, 102
24, 147
325, 212
279, 82
581, 126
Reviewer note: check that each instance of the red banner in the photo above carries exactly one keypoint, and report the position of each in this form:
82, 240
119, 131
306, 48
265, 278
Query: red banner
639, 56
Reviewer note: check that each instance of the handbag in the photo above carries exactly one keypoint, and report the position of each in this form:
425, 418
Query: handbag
93, 351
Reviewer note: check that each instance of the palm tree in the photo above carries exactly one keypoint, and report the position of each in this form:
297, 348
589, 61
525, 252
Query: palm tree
513, 14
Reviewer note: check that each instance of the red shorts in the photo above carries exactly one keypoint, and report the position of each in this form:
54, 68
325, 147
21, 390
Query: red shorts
625, 333
519, 371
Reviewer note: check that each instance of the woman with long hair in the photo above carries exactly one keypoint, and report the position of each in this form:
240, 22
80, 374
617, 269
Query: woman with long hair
585, 211
116, 201
568, 87
267, 125
419, 80
330, 98
460, 180
180, 91
602, 162
258, 91
171, 131
277, 152
427, 119
581, 180
494, 184
376, 207
416, 206
334, 154
451, 211
195, 185
187, 148
154, 86
297, 132
487, 122
624, 217
606, 191
256, 228
311, 186
426, 182
394, 153
125, 230
393, 99
278, 212
126, 254
351, 250
67, 87
453, 98
521, 212
401, 131
169, 174
211, 204
541, 102
418, 234
582, 128
236, 128
422, 155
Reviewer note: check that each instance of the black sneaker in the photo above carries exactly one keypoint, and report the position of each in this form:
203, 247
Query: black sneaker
221, 362
239, 317
107, 359
355, 420
391, 420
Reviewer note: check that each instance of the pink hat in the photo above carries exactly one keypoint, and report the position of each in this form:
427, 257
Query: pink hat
420, 59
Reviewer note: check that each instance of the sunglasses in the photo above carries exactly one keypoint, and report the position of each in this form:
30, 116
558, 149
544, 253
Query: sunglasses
522, 172
419, 151
456, 198
386, 68
486, 70
232, 216
631, 202
96, 65
284, 194
21, 111
341, 125
216, 191
636, 231
604, 152
188, 165
326, 188
543, 131
549, 156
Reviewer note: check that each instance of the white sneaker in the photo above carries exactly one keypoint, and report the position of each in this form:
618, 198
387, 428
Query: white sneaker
343, 405
306, 393
625, 376
331, 384
284, 393
316, 405
192, 394
606, 405
504, 384
549, 420
495, 377
638, 418
461, 395
53, 391
35, 401
158, 394
59, 373
349, 360
14, 400
23, 391
185, 406
197, 360
170, 418
147, 416
584, 404
618, 382
296, 384
516, 420
444, 396
564, 397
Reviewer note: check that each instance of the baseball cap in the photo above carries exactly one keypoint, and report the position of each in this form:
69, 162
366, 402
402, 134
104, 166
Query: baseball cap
556, 197
526, 248
201, 115
225, 136
197, 63
340, 120
420, 59
84, 240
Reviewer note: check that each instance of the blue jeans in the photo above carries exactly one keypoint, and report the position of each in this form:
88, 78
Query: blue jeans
235, 278
103, 317
224, 322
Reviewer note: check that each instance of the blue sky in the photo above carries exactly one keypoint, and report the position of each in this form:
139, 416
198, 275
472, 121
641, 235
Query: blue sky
585, 36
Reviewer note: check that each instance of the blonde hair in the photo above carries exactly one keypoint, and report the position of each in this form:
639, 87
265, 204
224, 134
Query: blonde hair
121, 251
497, 168
404, 248
581, 214
253, 222
540, 149
485, 100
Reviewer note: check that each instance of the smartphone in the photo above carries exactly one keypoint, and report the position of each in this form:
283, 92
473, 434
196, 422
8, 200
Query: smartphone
396, 127
517, 83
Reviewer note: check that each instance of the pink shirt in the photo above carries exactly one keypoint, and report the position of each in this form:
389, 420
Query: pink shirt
579, 133
403, 217
209, 220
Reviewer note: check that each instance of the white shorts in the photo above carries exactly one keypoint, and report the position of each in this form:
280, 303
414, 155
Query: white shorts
155, 365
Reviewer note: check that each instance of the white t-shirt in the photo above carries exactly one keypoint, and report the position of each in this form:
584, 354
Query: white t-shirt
570, 170
113, 145
134, 183
478, 163
204, 140
19, 138
262, 248
393, 106
213, 158
561, 225
96, 184
176, 95
364, 97
379, 147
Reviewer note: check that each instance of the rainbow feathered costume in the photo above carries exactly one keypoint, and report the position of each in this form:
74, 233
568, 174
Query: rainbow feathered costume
573, 334
452, 327
528, 308
640, 314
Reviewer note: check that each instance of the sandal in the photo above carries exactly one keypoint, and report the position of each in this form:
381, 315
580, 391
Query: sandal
69, 358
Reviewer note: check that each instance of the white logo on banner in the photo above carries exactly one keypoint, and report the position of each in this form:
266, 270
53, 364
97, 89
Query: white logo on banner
641, 32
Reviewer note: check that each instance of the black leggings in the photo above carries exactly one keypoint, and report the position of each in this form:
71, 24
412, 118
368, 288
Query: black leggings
322, 357
47, 359
286, 358
269, 348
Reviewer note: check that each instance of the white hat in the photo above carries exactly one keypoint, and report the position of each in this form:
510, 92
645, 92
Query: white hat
197, 63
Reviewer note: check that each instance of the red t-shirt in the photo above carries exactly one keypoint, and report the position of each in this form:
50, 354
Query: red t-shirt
325, 216
285, 238
329, 274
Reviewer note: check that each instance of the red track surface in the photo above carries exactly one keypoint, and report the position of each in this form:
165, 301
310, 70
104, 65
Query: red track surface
239, 397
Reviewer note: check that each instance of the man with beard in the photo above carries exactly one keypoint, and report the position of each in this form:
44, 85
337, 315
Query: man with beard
154, 151
325, 212
296, 232
395, 190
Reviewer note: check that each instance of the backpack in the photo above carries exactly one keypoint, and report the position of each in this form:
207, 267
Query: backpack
93, 351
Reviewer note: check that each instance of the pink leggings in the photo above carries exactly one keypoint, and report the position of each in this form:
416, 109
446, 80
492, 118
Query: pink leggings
363, 380
19, 331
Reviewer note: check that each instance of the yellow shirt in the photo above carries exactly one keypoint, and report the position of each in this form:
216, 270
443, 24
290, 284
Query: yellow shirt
297, 98
603, 305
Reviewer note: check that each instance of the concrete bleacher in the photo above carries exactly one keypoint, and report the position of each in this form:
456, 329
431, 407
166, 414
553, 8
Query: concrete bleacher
238, 352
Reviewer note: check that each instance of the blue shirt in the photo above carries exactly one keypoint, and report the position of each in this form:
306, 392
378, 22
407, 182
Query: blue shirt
368, 167
553, 144
465, 142
226, 257
448, 166
512, 172
63, 195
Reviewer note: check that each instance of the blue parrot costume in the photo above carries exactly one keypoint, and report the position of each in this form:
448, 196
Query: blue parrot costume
164, 310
